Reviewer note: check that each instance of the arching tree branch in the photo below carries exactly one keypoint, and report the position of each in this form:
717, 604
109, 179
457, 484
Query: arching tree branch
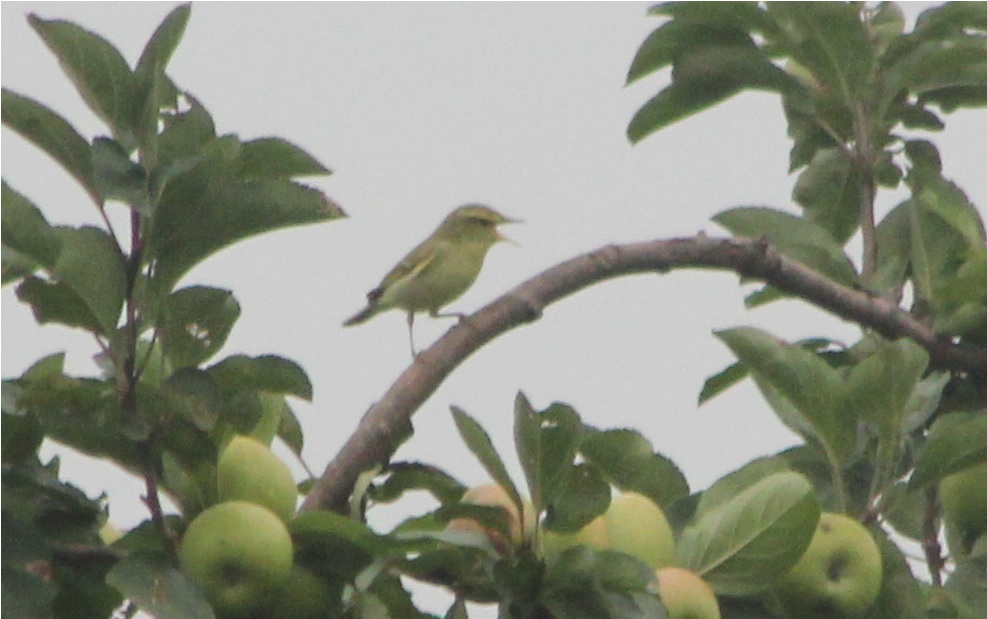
383, 427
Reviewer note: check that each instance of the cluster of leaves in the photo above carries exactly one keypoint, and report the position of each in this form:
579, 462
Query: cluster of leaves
157, 409
879, 424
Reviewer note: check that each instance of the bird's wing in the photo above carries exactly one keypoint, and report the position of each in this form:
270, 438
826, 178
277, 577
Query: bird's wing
412, 264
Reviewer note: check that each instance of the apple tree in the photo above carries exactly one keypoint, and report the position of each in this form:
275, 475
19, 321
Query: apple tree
893, 426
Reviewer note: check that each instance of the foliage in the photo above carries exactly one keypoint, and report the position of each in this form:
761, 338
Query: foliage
881, 423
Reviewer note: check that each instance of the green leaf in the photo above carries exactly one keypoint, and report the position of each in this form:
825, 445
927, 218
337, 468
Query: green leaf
879, 387
402, 477
116, 177
95, 66
905, 511
276, 158
579, 497
546, 443
674, 103
478, 442
724, 489
830, 40
587, 584
263, 373
153, 584
828, 191
803, 389
290, 431
199, 213
723, 380
956, 441
162, 44
628, 460
51, 133
152, 89
742, 545
901, 596
336, 544
91, 265
794, 236
196, 322
893, 238
56, 303
24, 229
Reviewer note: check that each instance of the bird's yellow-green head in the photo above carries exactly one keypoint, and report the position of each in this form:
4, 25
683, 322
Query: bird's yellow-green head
473, 222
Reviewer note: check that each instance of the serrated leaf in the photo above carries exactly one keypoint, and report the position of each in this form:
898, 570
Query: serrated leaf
152, 90
827, 189
51, 133
956, 441
199, 214
263, 373
96, 68
579, 497
742, 545
91, 265
546, 443
196, 322
276, 158
829, 39
879, 386
794, 236
478, 442
56, 303
628, 460
24, 228
402, 477
153, 584
810, 390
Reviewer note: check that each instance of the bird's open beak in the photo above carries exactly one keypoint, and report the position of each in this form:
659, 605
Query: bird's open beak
501, 237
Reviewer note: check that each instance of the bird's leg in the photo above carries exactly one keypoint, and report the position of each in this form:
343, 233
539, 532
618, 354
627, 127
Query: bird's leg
411, 334
461, 316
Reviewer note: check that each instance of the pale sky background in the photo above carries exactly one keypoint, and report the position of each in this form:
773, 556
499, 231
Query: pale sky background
418, 108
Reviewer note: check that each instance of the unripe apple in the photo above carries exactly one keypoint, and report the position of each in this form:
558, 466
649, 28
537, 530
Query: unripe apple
964, 504
493, 495
839, 576
685, 595
239, 553
248, 470
638, 527
594, 535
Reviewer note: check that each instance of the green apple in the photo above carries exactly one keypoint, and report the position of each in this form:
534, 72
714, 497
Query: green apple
239, 553
306, 595
493, 495
248, 470
964, 504
594, 535
685, 595
839, 576
638, 527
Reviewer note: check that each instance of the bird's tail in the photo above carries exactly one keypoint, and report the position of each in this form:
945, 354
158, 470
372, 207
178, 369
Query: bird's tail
361, 316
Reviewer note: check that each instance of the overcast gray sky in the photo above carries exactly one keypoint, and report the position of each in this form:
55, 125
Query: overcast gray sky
418, 108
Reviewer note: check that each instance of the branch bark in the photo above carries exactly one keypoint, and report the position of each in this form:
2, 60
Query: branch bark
384, 426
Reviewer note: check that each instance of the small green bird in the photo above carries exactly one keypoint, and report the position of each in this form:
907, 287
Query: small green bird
440, 269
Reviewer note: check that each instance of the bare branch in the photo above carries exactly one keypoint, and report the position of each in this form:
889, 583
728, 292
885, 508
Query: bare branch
384, 426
